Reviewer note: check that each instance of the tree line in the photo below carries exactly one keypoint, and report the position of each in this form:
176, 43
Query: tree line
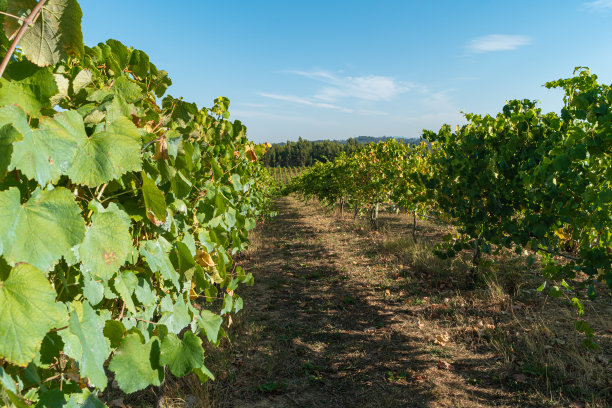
304, 153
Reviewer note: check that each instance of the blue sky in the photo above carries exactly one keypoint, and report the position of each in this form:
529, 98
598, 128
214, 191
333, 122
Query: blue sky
340, 69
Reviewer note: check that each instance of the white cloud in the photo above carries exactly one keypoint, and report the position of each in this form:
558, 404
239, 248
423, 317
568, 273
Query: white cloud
498, 42
304, 101
367, 88
599, 4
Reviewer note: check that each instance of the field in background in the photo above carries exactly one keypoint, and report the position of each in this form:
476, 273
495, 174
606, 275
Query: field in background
283, 175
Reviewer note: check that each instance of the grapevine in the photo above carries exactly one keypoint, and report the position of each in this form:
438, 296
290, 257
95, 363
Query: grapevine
121, 209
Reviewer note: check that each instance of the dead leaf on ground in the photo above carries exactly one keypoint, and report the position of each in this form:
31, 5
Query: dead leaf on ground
444, 365
442, 339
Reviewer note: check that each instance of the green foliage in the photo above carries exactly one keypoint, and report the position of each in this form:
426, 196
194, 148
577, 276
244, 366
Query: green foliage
521, 180
56, 33
117, 212
385, 172
26, 296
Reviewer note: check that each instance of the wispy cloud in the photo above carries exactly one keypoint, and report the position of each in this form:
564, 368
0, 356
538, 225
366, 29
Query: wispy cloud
253, 105
367, 88
600, 4
262, 114
498, 42
304, 101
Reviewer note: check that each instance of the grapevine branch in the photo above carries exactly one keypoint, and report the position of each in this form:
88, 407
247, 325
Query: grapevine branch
12, 15
27, 22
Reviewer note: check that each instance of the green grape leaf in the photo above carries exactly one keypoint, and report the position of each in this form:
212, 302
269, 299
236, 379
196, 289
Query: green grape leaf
8, 136
56, 33
84, 399
156, 255
92, 289
136, 365
15, 115
63, 86
81, 80
7, 381
46, 153
51, 399
144, 293
42, 230
114, 331
127, 89
125, 283
204, 374
107, 155
181, 356
50, 349
28, 86
85, 343
228, 305
153, 198
139, 63
174, 316
210, 323
107, 243
27, 312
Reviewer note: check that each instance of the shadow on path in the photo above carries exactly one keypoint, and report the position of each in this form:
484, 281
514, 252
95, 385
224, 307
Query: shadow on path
321, 342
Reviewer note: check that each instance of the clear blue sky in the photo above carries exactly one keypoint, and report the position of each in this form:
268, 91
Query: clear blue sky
339, 69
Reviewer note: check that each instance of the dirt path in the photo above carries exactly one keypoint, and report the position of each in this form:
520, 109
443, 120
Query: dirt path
327, 324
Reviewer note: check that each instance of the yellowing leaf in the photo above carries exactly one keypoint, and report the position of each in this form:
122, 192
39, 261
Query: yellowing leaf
561, 234
250, 154
204, 259
192, 293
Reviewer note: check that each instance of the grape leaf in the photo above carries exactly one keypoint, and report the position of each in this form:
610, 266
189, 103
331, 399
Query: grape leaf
47, 152
153, 198
7, 381
136, 365
174, 316
126, 89
144, 293
107, 243
42, 230
92, 290
81, 80
125, 283
84, 399
8, 135
114, 331
27, 312
181, 356
210, 323
56, 33
204, 374
107, 155
85, 343
51, 399
156, 255
15, 115
28, 86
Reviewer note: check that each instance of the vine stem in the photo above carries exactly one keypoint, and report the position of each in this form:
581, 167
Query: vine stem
27, 22
12, 15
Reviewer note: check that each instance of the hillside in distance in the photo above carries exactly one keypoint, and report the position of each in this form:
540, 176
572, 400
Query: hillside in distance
362, 140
